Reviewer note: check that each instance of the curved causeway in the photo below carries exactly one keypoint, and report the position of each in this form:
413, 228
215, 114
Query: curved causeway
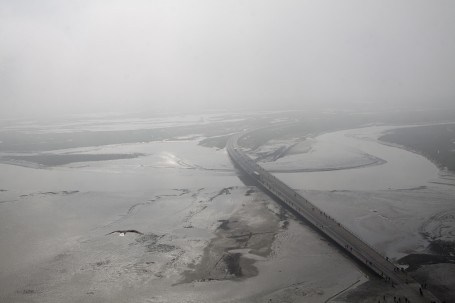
324, 223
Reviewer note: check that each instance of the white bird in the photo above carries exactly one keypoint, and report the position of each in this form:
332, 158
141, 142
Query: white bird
122, 233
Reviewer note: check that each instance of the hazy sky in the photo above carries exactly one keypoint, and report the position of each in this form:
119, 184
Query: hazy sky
92, 55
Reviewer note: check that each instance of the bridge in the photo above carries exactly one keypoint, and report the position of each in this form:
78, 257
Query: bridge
331, 228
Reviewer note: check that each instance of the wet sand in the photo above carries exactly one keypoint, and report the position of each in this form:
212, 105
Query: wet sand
208, 237
403, 207
255, 256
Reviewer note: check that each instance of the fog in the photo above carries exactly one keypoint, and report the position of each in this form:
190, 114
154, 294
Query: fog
63, 57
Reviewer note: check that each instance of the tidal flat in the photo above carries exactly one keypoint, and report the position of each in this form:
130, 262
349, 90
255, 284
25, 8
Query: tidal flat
209, 234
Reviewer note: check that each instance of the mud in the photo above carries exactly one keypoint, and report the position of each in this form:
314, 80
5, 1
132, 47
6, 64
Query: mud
224, 191
249, 192
415, 261
222, 259
435, 142
224, 224
52, 193
216, 234
441, 247
439, 279
371, 292
48, 160
218, 142
274, 155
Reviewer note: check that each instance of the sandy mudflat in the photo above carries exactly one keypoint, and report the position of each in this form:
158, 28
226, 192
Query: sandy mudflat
202, 242
404, 207
207, 236
232, 245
